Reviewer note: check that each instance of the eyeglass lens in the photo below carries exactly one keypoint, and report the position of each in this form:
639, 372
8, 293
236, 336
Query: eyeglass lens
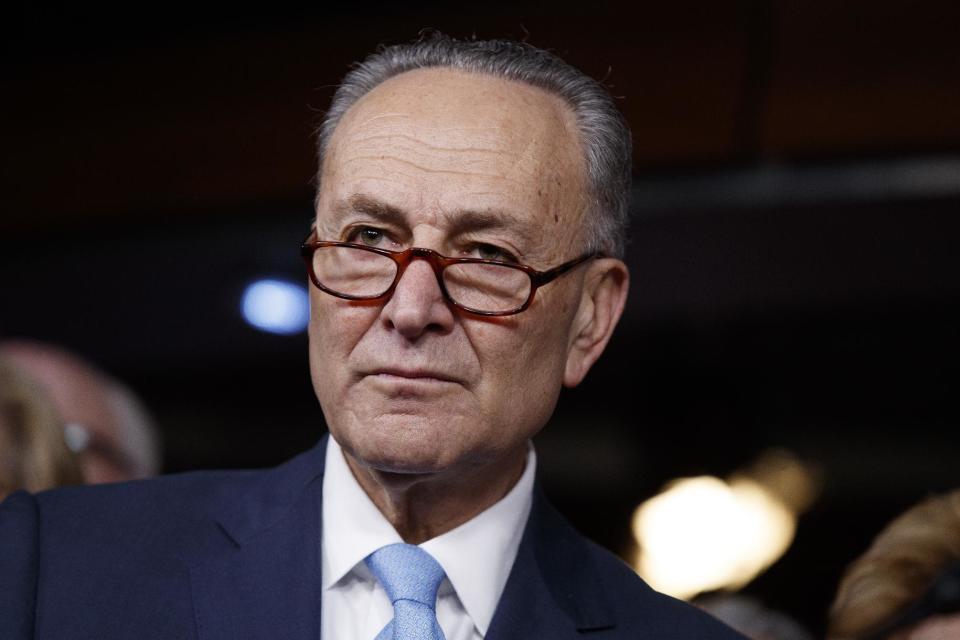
482, 287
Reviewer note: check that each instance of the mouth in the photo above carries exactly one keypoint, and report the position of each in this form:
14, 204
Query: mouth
422, 376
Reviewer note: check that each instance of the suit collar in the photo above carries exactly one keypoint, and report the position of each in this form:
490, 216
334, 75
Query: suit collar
262, 579
554, 588
271, 498
266, 581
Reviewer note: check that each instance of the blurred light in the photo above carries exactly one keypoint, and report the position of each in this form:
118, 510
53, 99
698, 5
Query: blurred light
276, 306
703, 534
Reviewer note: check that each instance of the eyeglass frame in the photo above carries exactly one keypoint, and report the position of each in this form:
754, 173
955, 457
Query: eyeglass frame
438, 262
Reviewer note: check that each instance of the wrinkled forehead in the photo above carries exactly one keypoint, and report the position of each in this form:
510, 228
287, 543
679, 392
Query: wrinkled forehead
442, 133
496, 113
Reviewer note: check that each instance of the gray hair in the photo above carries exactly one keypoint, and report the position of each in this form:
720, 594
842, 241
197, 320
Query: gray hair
603, 131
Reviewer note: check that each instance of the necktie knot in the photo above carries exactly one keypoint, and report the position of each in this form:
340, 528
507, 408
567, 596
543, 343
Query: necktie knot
407, 572
411, 577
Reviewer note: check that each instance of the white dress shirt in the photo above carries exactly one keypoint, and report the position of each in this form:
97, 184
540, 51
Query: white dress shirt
476, 556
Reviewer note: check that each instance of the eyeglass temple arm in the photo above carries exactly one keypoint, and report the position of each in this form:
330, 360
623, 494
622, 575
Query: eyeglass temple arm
543, 277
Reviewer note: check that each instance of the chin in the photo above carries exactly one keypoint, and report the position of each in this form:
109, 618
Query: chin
401, 444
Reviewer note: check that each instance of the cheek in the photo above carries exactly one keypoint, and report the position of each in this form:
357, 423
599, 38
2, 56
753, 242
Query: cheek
335, 329
523, 357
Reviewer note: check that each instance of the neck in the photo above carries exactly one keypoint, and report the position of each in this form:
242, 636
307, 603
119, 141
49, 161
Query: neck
424, 506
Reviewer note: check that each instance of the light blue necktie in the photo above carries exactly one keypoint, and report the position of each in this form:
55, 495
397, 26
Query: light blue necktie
411, 577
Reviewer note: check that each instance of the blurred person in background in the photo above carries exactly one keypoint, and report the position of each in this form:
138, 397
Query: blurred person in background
33, 451
105, 424
907, 584
752, 618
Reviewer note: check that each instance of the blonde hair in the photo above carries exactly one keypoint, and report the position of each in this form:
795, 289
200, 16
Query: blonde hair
898, 568
33, 453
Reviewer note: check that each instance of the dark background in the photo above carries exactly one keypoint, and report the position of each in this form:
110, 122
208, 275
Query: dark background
796, 280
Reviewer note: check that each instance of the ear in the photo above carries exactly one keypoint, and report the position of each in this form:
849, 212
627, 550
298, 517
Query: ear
601, 304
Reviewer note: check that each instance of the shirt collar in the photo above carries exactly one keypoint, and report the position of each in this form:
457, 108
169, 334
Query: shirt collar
353, 528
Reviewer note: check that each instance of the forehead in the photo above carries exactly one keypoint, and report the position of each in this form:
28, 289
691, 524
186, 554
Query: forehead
446, 140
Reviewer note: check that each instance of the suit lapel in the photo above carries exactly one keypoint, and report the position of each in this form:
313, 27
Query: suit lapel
553, 590
260, 575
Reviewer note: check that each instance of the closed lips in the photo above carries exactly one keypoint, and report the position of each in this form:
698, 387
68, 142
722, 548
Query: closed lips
415, 374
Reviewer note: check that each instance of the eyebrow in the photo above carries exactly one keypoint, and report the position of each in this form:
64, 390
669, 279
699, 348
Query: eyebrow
459, 221
359, 203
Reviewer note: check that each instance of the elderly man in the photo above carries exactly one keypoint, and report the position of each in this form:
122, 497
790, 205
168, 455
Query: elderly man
465, 256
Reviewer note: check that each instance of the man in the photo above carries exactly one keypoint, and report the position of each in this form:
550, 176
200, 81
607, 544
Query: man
105, 424
465, 252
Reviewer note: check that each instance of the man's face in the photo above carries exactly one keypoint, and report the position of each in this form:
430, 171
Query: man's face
467, 165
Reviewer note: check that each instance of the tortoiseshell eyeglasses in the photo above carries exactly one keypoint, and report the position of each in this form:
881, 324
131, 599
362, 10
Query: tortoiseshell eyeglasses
483, 287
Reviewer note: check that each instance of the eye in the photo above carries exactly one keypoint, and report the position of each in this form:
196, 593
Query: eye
493, 252
370, 236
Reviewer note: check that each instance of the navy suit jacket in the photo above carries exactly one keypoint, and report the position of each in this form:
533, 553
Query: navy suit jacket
236, 554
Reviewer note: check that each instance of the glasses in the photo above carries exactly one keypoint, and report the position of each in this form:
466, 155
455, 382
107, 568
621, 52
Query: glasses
482, 287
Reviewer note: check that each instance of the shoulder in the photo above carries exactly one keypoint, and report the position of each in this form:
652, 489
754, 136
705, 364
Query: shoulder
153, 516
169, 505
643, 612
75, 552
174, 495
601, 593
179, 497
178, 511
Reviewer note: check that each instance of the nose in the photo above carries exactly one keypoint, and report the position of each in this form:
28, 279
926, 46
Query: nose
417, 305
